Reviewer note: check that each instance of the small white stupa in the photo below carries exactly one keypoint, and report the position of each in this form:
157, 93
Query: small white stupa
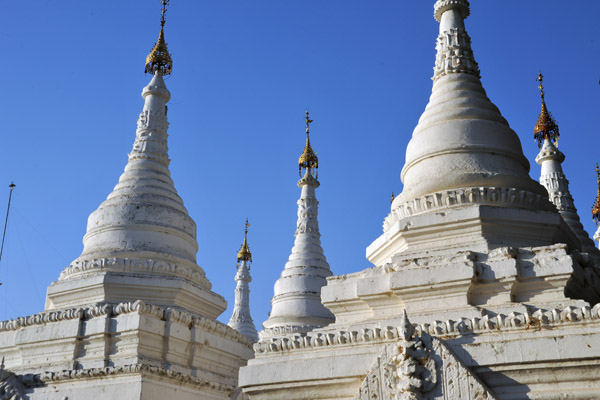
296, 304
241, 320
546, 134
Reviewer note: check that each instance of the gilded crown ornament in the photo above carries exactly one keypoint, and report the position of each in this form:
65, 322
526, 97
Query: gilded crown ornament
308, 160
244, 253
159, 60
546, 127
596, 207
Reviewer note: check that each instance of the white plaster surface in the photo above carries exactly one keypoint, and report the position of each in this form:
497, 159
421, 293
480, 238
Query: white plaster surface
477, 256
296, 304
554, 180
140, 242
241, 320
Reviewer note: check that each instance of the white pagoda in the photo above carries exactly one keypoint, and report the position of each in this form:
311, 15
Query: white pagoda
481, 288
133, 317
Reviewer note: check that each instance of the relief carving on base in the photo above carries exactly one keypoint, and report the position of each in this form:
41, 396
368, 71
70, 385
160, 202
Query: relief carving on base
419, 367
11, 387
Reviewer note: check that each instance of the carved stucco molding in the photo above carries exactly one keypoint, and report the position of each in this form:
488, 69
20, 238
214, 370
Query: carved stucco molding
515, 321
454, 54
497, 196
441, 6
285, 330
142, 265
112, 310
307, 216
557, 186
43, 379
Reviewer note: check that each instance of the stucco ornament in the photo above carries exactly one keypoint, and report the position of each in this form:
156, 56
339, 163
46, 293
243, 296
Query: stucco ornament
419, 367
11, 387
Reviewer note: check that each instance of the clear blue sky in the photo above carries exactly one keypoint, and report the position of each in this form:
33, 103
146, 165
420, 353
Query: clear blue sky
244, 72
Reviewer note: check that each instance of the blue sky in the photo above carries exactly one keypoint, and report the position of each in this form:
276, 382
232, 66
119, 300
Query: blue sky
244, 73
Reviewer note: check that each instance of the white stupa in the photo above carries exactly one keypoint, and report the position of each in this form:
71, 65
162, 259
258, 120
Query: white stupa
133, 317
241, 320
552, 176
464, 159
479, 289
296, 304
141, 243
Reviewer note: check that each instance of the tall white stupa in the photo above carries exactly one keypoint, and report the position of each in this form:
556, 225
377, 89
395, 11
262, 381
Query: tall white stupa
133, 317
296, 304
141, 242
241, 320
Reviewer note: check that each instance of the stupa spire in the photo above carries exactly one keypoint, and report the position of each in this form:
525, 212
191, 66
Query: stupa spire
141, 243
296, 304
464, 156
454, 53
241, 319
546, 127
552, 176
159, 60
308, 159
596, 208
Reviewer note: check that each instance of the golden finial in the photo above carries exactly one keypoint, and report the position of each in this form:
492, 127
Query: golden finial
308, 159
392, 197
546, 127
244, 253
159, 60
596, 207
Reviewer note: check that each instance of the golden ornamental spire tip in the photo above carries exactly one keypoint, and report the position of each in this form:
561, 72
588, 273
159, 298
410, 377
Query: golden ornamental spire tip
596, 206
159, 60
244, 254
546, 127
308, 159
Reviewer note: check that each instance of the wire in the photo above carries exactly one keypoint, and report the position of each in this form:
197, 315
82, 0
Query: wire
11, 186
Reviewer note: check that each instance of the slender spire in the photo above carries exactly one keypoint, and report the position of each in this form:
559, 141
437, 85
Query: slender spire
308, 160
159, 60
241, 320
552, 176
546, 127
244, 253
296, 304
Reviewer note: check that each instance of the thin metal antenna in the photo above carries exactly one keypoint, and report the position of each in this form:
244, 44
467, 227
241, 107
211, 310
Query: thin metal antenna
11, 186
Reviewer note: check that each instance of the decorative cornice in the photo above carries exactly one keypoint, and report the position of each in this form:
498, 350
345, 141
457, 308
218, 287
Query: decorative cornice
286, 330
48, 377
136, 265
163, 313
497, 196
515, 321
